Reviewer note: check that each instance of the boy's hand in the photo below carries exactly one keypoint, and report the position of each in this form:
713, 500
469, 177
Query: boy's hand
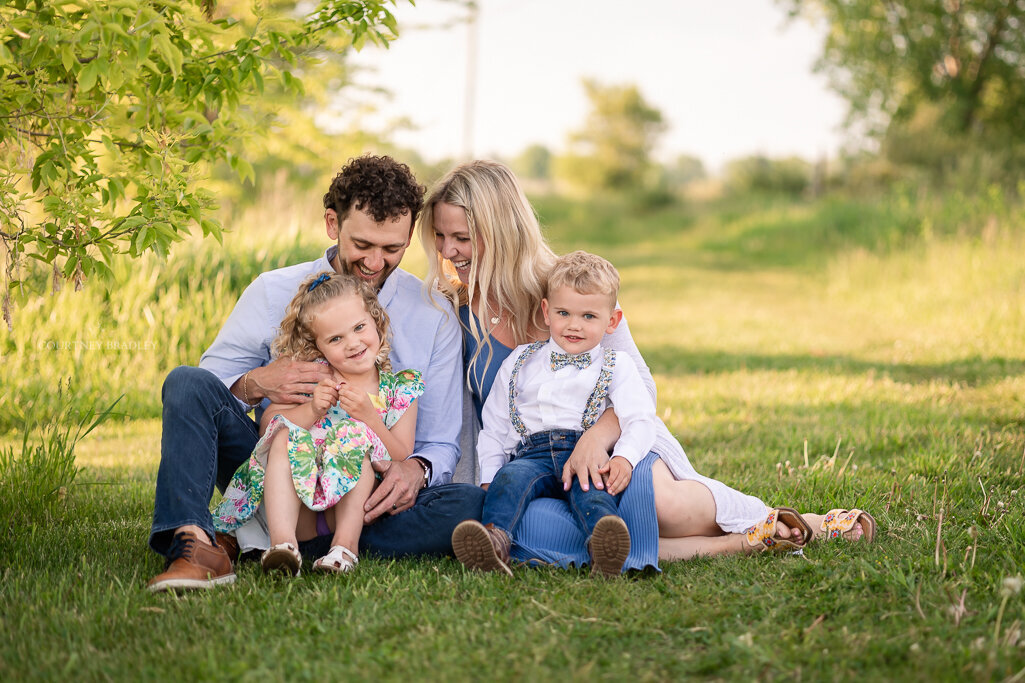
325, 395
356, 403
617, 473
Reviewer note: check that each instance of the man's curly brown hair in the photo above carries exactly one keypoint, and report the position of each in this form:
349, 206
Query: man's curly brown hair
378, 185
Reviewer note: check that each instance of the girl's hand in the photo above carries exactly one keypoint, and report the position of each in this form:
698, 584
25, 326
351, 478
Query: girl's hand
619, 471
325, 395
357, 403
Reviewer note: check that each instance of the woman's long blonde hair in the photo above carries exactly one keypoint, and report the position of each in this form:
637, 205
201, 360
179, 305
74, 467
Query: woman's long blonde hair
513, 270
295, 335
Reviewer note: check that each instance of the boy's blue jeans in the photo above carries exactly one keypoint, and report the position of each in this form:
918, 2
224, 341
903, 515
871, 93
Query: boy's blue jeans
536, 471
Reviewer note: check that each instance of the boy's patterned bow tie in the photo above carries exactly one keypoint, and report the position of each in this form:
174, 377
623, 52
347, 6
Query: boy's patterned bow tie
561, 360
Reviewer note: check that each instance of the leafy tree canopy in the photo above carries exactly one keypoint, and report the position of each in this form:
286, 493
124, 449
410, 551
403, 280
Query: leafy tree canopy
965, 58
613, 149
110, 109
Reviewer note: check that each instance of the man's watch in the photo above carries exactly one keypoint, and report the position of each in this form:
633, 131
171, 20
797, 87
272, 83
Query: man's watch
426, 464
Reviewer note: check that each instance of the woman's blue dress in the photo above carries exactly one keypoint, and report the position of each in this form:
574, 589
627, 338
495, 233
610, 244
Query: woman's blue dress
548, 532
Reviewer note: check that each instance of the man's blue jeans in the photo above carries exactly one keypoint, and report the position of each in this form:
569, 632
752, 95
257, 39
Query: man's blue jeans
207, 435
536, 471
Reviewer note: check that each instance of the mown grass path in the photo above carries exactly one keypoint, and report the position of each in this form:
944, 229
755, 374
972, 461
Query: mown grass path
816, 355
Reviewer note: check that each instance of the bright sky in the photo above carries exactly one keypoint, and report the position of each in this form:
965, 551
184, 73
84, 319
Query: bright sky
731, 77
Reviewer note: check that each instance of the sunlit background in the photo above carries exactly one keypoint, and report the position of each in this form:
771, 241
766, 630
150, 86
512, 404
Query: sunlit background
833, 316
731, 78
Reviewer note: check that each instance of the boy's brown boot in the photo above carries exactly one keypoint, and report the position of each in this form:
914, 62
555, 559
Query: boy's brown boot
481, 547
609, 546
192, 565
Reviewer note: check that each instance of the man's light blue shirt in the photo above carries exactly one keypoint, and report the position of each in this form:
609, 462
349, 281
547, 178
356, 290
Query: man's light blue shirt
425, 337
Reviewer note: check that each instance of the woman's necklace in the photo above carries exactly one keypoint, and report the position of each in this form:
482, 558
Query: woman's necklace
495, 319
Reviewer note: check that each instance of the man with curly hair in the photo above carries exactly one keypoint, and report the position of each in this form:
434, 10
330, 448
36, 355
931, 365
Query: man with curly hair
369, 213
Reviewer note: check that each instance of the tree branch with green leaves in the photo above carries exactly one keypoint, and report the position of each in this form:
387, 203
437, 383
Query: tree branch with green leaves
112, 111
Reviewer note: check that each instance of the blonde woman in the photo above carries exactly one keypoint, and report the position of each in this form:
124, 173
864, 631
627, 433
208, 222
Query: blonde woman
487, 254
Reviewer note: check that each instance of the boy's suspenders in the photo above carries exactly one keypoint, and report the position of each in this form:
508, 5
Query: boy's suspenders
592, 411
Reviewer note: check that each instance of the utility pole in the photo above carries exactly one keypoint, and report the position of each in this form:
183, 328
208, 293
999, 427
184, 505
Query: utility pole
470, 101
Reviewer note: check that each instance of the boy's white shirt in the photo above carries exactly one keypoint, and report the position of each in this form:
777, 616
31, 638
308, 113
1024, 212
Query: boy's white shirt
548, 400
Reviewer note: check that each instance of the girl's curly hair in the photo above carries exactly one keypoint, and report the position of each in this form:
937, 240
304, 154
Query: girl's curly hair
295, 335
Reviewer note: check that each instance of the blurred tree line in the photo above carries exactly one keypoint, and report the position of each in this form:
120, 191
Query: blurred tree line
938, 84
613, 151
112, 111
936, 95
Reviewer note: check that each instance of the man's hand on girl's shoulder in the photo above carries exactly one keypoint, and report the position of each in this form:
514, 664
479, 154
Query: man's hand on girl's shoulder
285, 380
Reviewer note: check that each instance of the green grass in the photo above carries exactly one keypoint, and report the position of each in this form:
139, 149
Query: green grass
814, 354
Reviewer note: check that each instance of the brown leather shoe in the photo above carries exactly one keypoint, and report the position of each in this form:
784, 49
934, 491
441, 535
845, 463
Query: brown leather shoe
609, 546
481, 547
191, 565
230, 545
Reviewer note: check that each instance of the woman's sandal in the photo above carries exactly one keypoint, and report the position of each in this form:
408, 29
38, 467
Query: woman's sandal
763, 536
840, 523
337, 561
284, 557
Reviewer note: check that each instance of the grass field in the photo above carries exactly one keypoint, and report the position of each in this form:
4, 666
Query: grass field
817, 354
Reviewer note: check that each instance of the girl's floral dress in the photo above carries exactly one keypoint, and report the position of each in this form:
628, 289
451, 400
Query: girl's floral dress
326, 460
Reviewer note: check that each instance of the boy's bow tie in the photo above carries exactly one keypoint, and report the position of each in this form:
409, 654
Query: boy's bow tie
561, 360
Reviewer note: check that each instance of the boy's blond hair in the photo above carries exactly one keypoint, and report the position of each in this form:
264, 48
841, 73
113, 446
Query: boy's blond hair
586, 273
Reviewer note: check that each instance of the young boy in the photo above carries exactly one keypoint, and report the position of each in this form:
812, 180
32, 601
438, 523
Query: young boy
544, 396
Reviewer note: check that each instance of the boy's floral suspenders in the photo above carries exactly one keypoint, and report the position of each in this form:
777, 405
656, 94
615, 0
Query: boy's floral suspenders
594, 402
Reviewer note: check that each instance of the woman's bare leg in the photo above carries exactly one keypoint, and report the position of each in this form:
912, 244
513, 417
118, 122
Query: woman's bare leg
279, 498
686, 520
670, 549
683, 508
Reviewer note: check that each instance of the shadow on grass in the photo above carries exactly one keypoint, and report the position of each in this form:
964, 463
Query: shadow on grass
972, 371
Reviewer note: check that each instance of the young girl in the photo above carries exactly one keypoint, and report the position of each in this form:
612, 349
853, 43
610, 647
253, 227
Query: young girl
314, 457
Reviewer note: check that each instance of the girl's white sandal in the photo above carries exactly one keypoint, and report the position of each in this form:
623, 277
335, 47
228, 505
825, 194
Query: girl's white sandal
337, 561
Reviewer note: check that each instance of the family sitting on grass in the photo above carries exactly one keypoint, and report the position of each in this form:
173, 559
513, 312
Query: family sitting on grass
347, 457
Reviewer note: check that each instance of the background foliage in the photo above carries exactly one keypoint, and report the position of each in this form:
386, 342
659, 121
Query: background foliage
612, 151
815, 353
827, 334
946, 78
111, 112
